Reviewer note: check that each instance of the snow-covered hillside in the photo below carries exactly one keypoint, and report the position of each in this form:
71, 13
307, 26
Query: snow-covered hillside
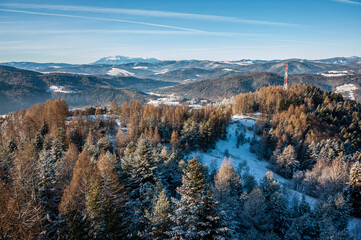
242, 155
59, 89
119, 72
334, 73
347, 89
140, 67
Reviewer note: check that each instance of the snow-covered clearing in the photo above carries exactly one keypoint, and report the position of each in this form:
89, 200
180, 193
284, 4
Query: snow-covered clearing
161, 72
241, 63
59, 89
241, 155
140, 67
333, 74
119, 72
347, 89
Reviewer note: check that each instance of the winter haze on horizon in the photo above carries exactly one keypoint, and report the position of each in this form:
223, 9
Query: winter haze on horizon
84, 31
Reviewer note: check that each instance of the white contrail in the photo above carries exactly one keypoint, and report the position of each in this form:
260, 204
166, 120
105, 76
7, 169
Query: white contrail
348, 1
147, 13
130, 31
102, 19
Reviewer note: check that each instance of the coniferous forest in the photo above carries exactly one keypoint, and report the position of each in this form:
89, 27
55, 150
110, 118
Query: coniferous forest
125, 172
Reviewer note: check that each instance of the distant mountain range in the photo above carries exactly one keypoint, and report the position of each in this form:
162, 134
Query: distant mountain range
115, 60
192, 70
25, 83
37, 66
23, 88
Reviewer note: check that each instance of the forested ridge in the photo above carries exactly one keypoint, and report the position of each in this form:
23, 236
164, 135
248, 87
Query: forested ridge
124, 172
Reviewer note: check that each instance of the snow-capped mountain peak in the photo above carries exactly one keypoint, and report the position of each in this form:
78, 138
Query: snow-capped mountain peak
113, 60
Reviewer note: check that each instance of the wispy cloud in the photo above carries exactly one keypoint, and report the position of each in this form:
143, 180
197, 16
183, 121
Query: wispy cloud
126, 31
146, 13
101, 19
348, 2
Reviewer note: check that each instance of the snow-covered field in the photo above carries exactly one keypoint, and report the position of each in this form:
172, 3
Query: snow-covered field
59, 89
241, 63
140, 67
161, 72
258, 168
334, 73
119, 72
242, 154
347, 89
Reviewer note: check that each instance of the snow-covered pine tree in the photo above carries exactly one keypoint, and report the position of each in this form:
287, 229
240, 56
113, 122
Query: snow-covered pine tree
269, 185
140, 168
196, 215
276, 203
56, 151
341, 212
95, 207
38, 142
287, 162
207, 140
253, 212
190, 133
48, 190
160, 216
303, 227
126, 162
310, 157
114, 197
228, 189
304, 206
104, 144
277, 209
334, 214
143, 162
354, 189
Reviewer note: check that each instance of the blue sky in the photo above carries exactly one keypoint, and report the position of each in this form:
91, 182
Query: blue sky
84, 31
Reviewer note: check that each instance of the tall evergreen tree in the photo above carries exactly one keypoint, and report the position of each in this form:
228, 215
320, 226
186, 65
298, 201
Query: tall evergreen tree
253, 212
160, 216
354, 189
140, 167
196, 215
49, 193
269, 185
287, 162
95, 207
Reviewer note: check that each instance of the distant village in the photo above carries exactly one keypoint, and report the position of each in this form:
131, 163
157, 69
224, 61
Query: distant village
176, 101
